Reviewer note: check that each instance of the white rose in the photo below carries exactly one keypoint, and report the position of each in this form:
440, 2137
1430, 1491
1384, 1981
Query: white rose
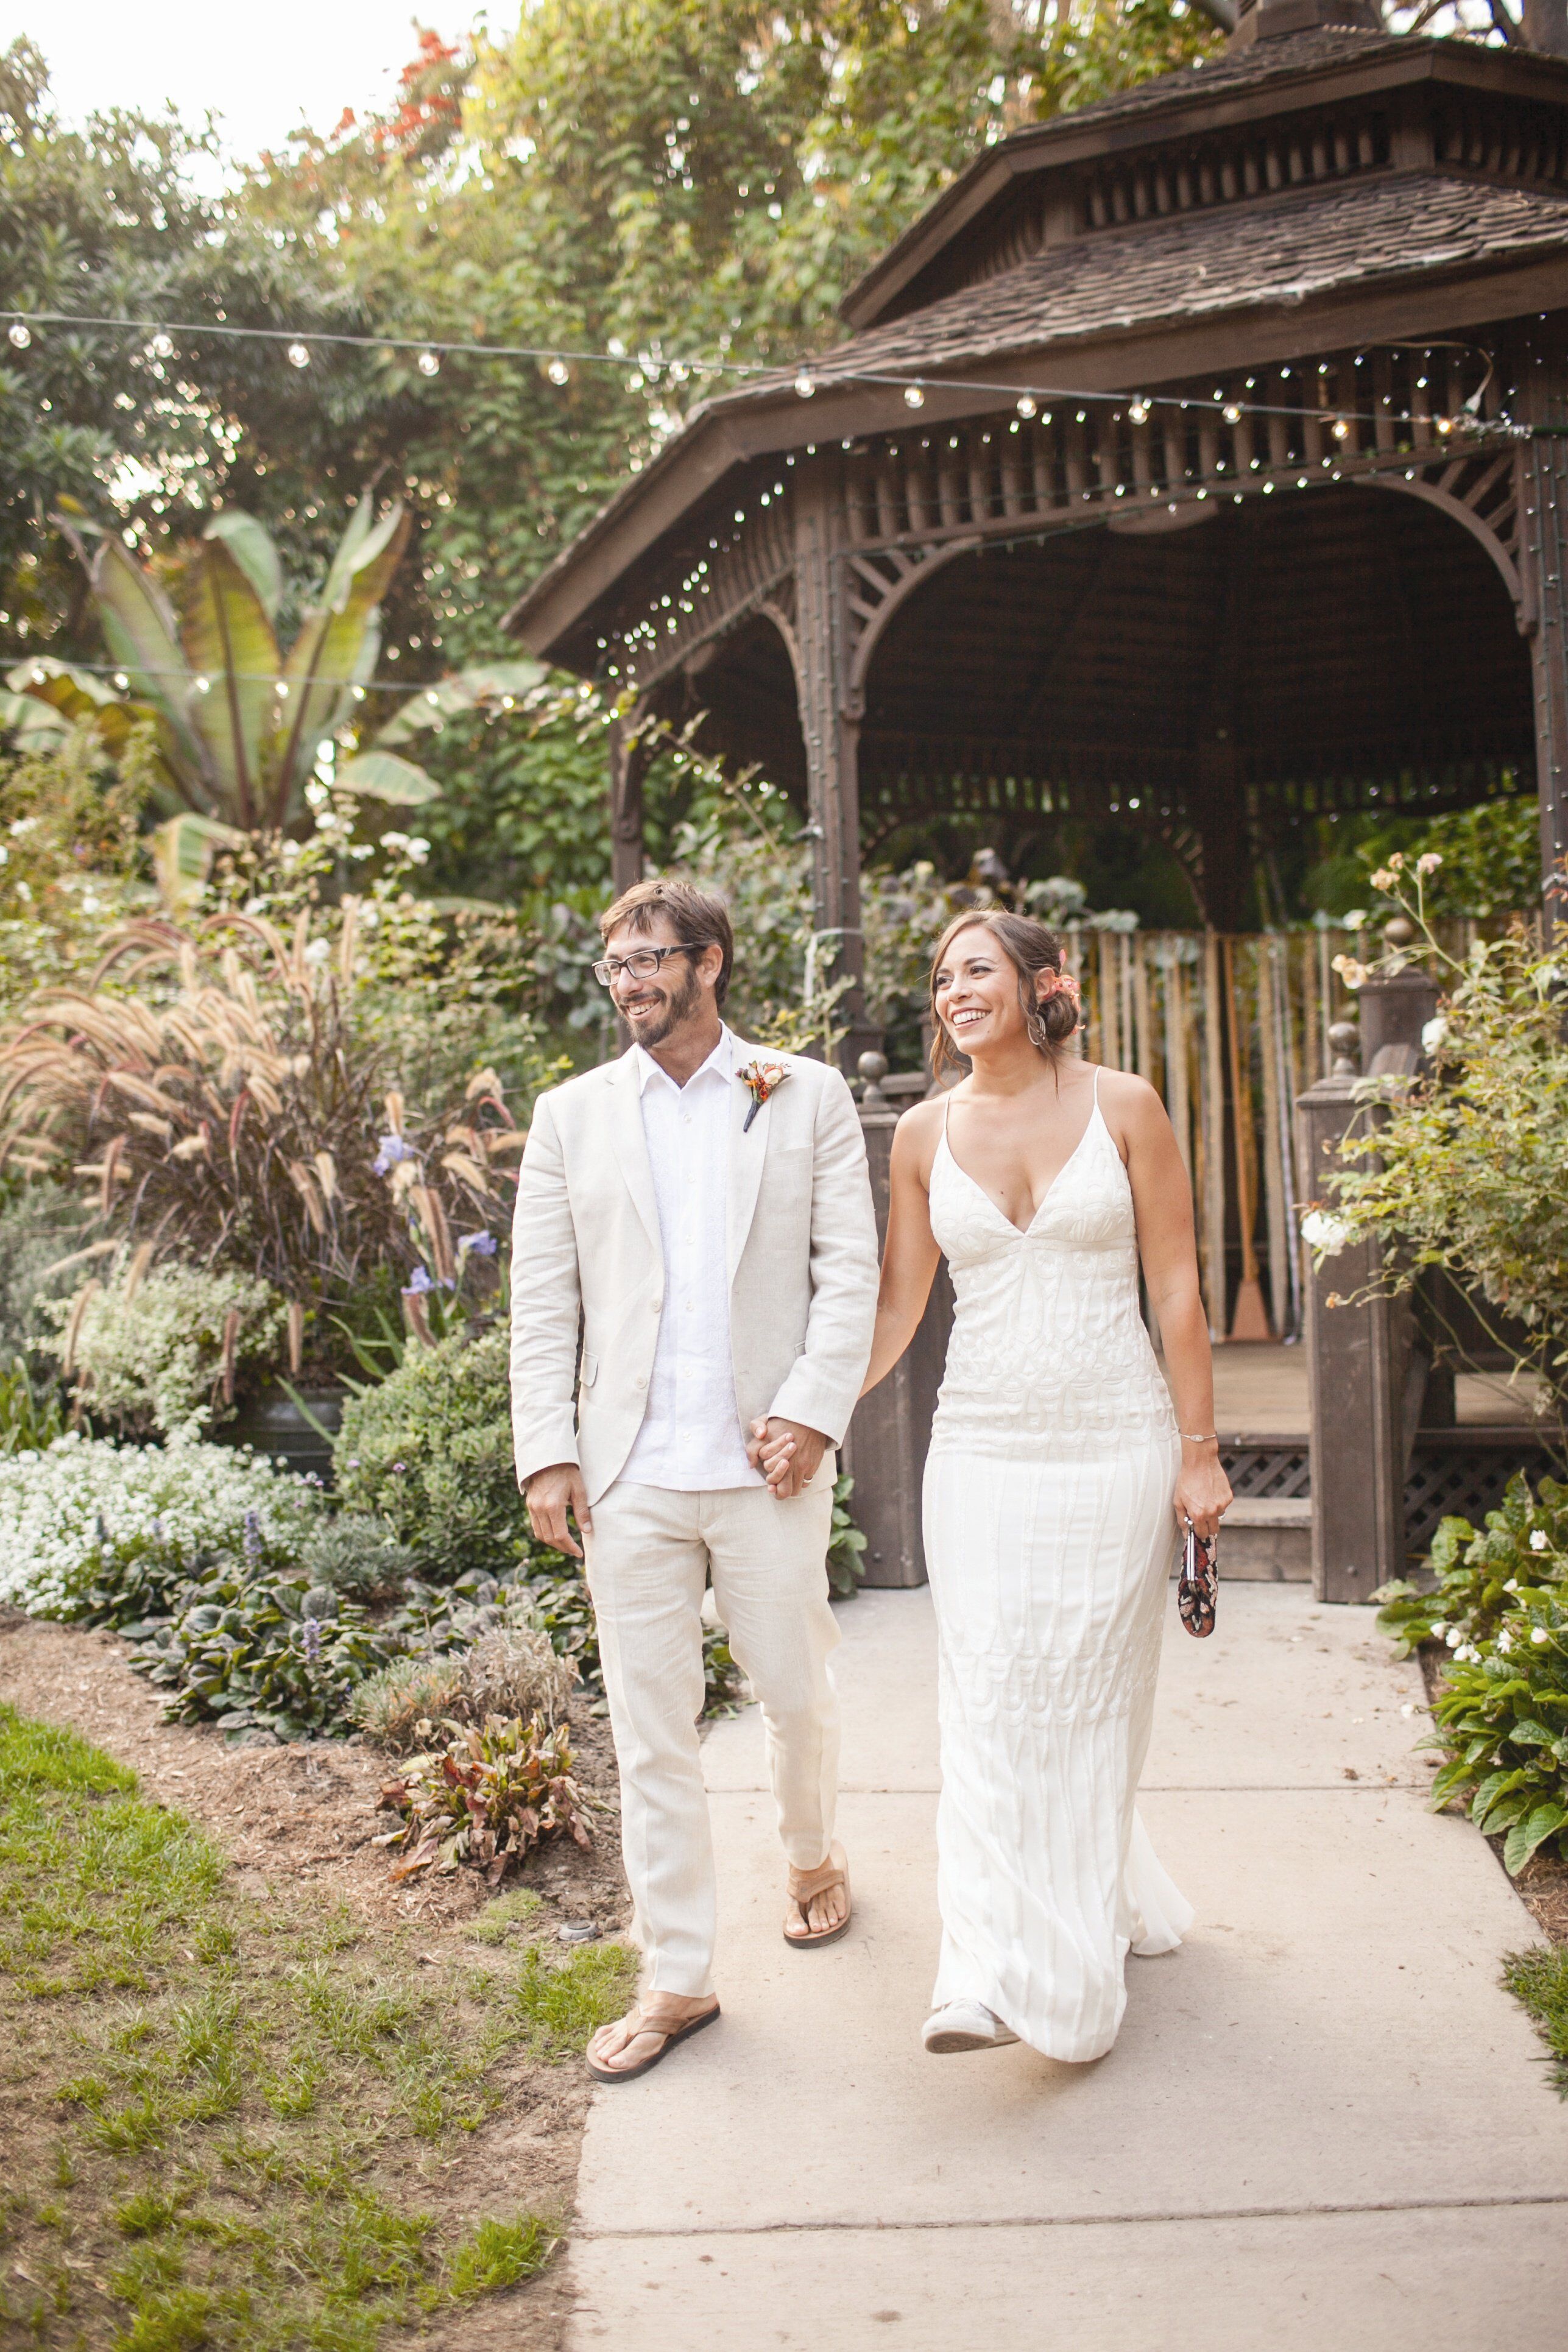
1326, 1233
1433, 1033
1539, 1540
1539, 1636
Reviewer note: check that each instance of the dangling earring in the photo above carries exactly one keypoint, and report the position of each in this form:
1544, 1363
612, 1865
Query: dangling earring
1039, 1035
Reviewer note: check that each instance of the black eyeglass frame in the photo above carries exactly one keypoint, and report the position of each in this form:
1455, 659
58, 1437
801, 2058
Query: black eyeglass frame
606, 972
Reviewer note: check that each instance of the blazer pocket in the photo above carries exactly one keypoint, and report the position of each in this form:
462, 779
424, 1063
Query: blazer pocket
590, 1371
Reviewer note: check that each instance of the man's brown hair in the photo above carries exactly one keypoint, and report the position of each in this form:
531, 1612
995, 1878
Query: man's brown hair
700, 918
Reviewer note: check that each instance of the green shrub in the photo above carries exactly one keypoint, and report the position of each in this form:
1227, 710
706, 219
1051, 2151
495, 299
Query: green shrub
1501, 1608
30, 1414
846, 1544
148, 1354
258, 1651
391, 1704
358, 1557
429, 1450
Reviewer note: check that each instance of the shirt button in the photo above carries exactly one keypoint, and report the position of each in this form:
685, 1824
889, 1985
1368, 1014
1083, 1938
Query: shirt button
656, 1304
642, 1380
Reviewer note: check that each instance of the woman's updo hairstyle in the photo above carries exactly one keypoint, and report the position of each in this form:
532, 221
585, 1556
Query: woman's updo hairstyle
1031, 950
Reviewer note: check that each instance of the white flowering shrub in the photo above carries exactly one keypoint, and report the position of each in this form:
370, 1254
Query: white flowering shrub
88, 1514
1500, 1610
149, 1355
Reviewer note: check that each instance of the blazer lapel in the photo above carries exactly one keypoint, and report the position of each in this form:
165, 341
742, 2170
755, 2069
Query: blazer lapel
630, 1144
748, 1150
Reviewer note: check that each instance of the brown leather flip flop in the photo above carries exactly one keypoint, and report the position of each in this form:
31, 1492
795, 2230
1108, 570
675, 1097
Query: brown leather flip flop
676, 2033
838, 1876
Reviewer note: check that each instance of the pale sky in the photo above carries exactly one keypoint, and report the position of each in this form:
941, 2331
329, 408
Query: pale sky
260, 69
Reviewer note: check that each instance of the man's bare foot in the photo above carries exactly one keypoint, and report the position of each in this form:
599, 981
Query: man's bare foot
640, 2036
819, 1900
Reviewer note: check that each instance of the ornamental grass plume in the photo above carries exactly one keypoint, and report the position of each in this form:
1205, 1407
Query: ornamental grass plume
228, 1113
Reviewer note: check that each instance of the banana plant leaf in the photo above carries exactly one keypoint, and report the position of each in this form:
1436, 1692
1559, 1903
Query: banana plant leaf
485, 684
183, 853
30, 720
383, 776
235, 661
142, 636
250, 544
330, 656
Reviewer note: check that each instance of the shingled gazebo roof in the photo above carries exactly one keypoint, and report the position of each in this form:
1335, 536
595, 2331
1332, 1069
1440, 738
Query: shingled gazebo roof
1089, 250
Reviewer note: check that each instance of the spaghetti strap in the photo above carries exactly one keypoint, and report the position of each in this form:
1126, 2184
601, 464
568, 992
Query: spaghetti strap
1096, 1105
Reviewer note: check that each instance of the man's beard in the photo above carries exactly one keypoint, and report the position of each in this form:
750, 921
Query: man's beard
678, 1008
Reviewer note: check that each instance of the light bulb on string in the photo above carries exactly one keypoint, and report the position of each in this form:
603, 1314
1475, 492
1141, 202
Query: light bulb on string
1138, 409
559, 373
298, 355
913, 396
161, 347
20, 336
1232, 412
1341, 426
1028, 406
427, 364
805, 384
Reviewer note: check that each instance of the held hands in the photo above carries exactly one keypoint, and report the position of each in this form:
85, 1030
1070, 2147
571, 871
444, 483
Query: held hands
787, 1453
1203, 1490
550, 1494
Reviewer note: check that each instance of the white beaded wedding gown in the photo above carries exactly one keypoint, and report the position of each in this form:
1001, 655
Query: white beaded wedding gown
1050, 1541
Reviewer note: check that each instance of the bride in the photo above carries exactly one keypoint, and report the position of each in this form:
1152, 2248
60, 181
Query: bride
1055, 1486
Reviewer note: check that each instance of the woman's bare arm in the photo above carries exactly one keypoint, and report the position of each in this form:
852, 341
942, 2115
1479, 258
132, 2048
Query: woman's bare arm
1167, 1245
910, 1255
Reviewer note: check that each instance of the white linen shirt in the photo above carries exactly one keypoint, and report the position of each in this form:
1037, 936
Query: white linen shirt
690, 1437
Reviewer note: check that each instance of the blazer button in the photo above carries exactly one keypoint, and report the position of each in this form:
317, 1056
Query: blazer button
656, 1304
642, 1380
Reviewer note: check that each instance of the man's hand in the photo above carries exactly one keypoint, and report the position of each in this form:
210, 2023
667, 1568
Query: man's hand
787, 1453
550, 1494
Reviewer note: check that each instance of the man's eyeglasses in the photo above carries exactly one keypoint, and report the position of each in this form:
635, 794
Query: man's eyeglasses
642, 962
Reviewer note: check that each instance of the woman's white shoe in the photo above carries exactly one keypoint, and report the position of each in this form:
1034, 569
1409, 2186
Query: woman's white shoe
964, 2025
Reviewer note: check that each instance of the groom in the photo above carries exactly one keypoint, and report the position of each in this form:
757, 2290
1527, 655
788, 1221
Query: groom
694, 1278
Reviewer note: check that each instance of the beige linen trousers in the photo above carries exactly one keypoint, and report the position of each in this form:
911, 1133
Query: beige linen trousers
587, 1290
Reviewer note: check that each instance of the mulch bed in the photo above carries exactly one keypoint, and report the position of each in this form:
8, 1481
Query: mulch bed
302, 1819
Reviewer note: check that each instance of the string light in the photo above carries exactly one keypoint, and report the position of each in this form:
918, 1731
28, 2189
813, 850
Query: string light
558, 366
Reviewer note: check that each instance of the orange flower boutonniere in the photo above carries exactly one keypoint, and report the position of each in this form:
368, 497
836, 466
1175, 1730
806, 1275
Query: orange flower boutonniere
762, 1078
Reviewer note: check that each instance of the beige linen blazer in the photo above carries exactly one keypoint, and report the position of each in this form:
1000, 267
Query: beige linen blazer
587, 1267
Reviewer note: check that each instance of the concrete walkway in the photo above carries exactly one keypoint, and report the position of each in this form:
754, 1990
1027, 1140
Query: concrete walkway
1324, 2125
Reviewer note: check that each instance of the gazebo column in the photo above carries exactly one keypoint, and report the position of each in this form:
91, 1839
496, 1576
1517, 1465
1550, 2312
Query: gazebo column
830, 728
628, 765
1543, 578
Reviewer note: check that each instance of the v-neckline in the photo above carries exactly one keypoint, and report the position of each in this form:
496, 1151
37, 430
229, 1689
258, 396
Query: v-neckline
1023, 1232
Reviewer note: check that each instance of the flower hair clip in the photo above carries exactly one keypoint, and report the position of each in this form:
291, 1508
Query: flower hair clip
1062, 983
763, 1079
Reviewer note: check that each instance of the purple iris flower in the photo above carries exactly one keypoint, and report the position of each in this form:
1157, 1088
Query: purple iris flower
482, 1245
418, 1283
393, 1150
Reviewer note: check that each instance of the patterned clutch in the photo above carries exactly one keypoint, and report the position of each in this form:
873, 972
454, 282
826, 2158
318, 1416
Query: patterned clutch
1197, 1595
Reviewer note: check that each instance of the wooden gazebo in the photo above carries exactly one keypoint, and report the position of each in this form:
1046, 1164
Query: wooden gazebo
1078, 519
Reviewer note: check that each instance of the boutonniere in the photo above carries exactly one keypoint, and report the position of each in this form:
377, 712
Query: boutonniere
762, 1078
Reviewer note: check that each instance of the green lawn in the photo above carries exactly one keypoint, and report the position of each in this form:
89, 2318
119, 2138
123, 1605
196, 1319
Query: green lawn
231, 2124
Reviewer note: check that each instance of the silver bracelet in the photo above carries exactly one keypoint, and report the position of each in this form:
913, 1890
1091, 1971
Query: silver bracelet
1211, 1439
